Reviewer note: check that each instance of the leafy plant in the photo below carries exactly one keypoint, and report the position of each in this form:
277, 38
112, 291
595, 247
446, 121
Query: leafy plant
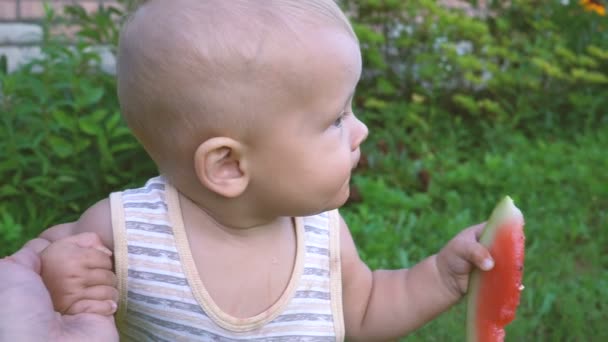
462, 109
67, 144
535, 66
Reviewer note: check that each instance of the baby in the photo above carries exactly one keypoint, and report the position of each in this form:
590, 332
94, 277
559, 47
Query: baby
246, 108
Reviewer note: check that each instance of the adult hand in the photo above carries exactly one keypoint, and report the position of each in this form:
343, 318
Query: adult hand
27, 311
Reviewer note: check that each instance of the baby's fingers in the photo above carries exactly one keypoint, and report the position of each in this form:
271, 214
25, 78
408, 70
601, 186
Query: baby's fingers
101, 292
100, 277
480, 257
84, 299
89, 239
100, 307
478, 229
93, 259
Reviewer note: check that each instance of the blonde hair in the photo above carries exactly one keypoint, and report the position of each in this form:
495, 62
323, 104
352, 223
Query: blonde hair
187, 68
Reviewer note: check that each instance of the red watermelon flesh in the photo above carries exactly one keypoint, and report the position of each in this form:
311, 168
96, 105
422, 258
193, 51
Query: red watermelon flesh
493, 296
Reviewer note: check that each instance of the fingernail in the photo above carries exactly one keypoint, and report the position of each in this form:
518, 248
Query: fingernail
487, 264
114, 306
104, 250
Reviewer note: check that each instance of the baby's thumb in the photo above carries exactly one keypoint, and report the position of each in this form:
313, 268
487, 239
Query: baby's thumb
89, 240
481, 257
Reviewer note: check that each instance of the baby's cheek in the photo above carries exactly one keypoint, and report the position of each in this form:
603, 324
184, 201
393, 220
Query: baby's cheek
341, 169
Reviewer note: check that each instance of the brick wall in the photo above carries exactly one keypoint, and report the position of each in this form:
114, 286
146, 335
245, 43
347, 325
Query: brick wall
33, 10
20, 30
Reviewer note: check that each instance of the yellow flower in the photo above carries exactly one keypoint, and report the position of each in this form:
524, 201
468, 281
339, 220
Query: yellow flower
594, 6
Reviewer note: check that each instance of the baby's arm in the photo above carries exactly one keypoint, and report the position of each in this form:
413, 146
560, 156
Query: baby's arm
76, 275
97, 219
383, 305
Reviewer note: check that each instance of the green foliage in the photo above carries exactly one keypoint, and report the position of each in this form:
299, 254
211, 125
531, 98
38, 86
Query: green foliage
63, 141
560, 185
536, 66
462, 110
99, 27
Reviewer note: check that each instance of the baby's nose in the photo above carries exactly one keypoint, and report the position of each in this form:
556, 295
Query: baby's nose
359, 133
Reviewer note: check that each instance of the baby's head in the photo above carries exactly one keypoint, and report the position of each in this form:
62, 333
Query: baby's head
227, 96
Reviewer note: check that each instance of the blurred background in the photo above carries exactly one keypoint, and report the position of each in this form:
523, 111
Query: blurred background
466, 101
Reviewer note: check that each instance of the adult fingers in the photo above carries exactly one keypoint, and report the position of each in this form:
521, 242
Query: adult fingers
27, 256
37, 244
88, 327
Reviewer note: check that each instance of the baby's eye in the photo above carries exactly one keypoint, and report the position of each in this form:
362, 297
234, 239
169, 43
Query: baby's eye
340, 119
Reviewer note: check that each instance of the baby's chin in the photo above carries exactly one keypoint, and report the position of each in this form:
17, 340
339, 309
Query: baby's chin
329, 201
340, 198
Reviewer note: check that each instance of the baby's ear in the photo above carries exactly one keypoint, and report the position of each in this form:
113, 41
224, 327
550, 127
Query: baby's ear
221, 166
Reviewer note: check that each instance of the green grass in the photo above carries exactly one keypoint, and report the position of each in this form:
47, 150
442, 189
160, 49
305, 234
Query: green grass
559, 182
66, 149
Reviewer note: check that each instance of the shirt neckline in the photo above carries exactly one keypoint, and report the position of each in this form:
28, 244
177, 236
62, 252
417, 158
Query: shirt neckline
201, 294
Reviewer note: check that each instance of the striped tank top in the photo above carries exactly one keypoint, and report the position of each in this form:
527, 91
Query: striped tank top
163, 299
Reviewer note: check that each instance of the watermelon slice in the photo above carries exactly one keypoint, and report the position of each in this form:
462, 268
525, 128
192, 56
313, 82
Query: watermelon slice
493, 296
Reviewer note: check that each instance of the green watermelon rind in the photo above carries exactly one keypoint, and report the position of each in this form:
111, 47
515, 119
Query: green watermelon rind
504, 210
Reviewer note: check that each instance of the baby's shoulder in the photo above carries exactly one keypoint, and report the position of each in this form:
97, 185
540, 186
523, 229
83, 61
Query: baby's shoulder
97, 219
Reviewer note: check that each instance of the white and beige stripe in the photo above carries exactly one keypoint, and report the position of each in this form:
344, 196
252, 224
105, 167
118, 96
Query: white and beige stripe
163, 299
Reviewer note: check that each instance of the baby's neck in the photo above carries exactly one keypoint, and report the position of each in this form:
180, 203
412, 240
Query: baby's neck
244, 268
233, 224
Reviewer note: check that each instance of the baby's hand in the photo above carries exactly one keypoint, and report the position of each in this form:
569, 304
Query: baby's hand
77, 271
458, 258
